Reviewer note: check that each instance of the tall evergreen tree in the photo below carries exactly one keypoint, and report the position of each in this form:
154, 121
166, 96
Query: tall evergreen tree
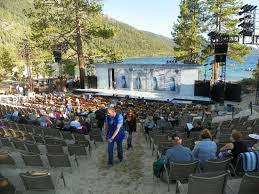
187, 33
71, 22
221, 16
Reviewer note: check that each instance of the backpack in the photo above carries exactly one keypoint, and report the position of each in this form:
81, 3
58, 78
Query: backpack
158, 166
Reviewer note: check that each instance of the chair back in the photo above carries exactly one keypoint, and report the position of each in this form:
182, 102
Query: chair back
32, 160
31, 147
55, 149
19, 145
39, 139
59, 161
182, 169
5, 142
53, 141
204, 183
78, 150
217, 165
79, 137
37, 182
249, 184
67, 135
6, 159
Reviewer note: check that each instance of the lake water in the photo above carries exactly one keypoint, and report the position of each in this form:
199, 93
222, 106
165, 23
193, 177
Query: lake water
234, 72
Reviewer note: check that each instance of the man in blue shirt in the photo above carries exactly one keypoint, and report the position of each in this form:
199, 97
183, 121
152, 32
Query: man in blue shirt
178, 152
115, 133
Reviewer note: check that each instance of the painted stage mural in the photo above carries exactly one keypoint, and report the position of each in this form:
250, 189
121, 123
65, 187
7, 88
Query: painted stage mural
148, 80
139, 79
122, 78
166, 79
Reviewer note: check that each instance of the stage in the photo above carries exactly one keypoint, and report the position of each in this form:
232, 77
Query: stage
157, 96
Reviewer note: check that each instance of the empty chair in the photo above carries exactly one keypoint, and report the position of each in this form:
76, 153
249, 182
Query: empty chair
67, 135
249, 184
217, 165
177, 171
38, 131
6, 142
32, 147
96, 136
77, 150
32, 160
39, 139
6, 186
60, 161
19, 145
28, 137
37, 181
213, 183
6, 159
79, 137
29, 129
53, 141
56, 133
55, 149
47, 132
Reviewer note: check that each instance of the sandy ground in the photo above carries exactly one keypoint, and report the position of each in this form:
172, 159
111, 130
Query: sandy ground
132, 175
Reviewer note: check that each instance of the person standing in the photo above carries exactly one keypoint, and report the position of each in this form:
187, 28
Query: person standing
115, 133
100, 116
130, 125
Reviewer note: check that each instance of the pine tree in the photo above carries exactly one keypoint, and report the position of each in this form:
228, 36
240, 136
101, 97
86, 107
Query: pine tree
73, 23
187, 33
221, 17
6, 61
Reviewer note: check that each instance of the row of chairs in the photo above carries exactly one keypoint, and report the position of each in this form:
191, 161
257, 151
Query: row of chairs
57, 149
212, 178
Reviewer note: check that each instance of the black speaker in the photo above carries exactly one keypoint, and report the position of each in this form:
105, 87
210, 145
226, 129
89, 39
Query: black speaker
221, 48
57, 56
91, 82
202, 88
220, 58
217, 92
233, 92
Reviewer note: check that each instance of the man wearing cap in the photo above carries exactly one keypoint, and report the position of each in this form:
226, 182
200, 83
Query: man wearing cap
115, 133
178, 152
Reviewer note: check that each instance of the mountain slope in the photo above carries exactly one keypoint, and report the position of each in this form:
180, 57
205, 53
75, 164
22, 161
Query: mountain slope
132, 42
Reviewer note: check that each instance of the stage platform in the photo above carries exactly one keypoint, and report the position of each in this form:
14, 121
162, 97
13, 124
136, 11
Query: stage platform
157, 96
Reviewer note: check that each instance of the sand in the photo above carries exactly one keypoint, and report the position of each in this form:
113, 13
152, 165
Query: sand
132, 175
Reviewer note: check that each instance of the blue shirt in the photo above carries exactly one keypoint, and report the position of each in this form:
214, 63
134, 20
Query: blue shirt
75, 124
205, 150
112, 125
178, 153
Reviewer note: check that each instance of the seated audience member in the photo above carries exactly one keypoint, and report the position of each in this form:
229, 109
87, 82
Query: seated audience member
178, 152
15, 115
75, 124
196, 128
60, 123
206, 149
236, 146
149, 124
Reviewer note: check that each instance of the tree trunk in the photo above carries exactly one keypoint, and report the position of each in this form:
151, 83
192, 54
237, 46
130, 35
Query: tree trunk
80, 54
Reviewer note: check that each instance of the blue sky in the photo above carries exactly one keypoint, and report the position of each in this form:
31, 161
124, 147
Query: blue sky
155, 16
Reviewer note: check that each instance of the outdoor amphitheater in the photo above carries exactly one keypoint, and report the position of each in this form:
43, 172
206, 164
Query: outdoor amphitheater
38, 158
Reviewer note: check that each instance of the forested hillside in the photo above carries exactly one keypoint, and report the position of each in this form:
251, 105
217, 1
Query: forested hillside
132, 42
